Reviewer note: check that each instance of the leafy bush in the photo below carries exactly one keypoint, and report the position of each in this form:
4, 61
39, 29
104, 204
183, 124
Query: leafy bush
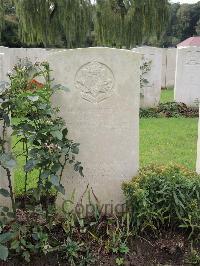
44, 137
164, 197
46, 147
170, 109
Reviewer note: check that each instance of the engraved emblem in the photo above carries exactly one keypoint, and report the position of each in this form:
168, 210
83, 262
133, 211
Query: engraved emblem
95, 82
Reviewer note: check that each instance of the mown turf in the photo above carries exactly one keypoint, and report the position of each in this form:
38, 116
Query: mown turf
167, 96
168, 140
19, 175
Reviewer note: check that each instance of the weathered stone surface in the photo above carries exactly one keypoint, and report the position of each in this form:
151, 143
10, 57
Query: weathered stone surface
2, 69
187, 87
38, 54
101, 111
151, 90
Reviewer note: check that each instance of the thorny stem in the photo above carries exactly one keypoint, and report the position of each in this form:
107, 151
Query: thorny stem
39, 179
63, 167
8, 172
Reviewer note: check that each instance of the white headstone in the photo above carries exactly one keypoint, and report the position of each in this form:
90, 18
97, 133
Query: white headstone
168, 67
151, 88
164, 67
12, 56
38, 54
2, 68
171, 67
187, 87
102, 114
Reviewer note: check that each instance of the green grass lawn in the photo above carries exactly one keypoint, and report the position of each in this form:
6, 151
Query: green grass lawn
167, 96
19, 178
168, 140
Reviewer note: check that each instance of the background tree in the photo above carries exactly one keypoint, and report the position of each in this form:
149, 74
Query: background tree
1, 16
54, 22
9, 35
83, 23
198, 28
183, 24
116, 22
127, 23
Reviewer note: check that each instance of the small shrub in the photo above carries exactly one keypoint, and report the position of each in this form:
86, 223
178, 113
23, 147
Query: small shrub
164, 197
170, 109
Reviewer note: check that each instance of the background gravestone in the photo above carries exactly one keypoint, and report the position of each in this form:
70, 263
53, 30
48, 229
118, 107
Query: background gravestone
187, 87
2, 69
101, 111
150, 90
12, 55
168, 67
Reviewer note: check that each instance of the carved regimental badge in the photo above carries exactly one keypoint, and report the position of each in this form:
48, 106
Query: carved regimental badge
95, 82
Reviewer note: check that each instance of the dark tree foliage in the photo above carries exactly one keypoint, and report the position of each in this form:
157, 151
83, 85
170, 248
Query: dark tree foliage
127, 22
83, 23
184, 23
52, 22
80, 23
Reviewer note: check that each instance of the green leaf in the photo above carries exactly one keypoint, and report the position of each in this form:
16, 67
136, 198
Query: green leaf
77, 166
61, 189
54, 179
5, 209
7, 160
15, 244
56, 167
75, 148
81, 171
6, 118
60, 87
3, 84
3, 253
57, 134
4, 238
33, 98
4, 192
10, 215
30, 165
65, 132
26, 256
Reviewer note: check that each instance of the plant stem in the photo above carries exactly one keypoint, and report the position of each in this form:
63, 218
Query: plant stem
26, 174
63, 167
8, 172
